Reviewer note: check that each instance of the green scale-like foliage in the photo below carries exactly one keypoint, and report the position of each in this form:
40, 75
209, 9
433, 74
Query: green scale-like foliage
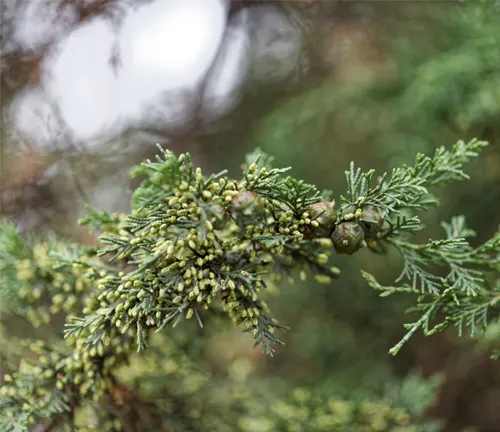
195, 246
191, 240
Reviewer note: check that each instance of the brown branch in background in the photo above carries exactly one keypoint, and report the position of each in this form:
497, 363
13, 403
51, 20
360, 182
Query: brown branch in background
44, 426
135, 414
19, 178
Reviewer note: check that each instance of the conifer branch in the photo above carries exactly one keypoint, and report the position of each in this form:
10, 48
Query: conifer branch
194, 243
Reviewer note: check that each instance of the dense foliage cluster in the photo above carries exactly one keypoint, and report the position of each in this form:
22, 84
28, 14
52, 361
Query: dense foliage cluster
195, 246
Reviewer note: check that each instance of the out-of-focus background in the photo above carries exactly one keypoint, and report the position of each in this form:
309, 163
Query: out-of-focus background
88, 87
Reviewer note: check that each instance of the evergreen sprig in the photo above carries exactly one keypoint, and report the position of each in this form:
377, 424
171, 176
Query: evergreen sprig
192, 239
407, 187
194, 243
466, 290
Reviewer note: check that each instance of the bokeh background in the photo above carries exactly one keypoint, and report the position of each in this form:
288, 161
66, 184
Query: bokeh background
88, 87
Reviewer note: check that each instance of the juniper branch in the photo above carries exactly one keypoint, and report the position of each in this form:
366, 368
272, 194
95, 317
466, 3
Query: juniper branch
193, 239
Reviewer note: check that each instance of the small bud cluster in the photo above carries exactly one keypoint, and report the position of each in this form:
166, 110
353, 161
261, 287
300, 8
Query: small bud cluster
83, 374
31, 390
102, 420
303, 409
206, 239
88, 372
48, 290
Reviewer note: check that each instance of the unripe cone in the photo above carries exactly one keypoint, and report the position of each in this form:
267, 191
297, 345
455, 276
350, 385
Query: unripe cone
371, 221
348, 237
247, 201
324, 214
220, 216
247, 208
